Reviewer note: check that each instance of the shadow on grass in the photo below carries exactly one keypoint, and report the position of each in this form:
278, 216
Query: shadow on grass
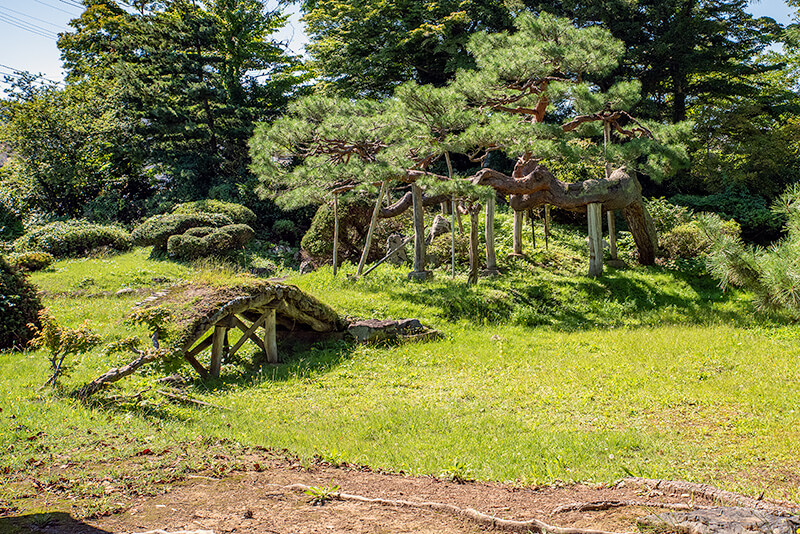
51, 522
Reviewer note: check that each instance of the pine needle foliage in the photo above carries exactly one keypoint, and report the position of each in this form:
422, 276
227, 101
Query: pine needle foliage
773, 273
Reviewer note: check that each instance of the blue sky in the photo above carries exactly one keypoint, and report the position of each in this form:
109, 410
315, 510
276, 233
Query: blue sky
29, 28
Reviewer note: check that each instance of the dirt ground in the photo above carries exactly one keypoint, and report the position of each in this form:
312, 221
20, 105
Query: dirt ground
258, 502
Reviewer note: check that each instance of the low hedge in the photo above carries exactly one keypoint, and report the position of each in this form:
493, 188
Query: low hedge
206, 241
157, 230
238, 214
73, 238
31, 261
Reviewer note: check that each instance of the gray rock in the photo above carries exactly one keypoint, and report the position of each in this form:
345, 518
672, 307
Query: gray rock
372, 330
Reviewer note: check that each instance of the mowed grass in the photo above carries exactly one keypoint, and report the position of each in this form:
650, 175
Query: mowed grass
541, 376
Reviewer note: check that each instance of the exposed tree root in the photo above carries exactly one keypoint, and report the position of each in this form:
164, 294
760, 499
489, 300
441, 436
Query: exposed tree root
531, 525
118, 373
713, 494
607, 505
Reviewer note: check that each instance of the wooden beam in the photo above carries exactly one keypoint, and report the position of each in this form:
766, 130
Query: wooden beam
244, 328
270, 339
247, 334
373, 222
200, 347
419, 229
335, 233
217, 345
612, 235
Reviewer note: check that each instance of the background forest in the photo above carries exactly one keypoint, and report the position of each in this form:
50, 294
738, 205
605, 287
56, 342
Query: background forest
162, 98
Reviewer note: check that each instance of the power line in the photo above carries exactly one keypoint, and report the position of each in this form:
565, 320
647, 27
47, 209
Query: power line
73, 4
31, 17
54, 7
18, 73
41, 32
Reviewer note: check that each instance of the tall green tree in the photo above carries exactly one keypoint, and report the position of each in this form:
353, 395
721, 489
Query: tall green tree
368, 47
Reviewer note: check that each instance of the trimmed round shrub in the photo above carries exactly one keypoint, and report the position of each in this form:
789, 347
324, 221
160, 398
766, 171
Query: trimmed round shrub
202, 242
440, 251
73, 238
238, 214
157, 230
689, 240
31, 261
355, 214
19, 307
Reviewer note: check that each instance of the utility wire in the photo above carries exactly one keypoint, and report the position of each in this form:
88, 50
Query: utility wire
28, 27
31, 17
54, 7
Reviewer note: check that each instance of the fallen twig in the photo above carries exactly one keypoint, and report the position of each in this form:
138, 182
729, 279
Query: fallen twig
466, 513
184, 398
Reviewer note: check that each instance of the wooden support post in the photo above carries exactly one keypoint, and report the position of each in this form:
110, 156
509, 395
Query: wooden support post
270, 339
419, 235
546, 226
453, 237
474, 214
594, 213
517, 243
612, 234
491, 257
335, 233
373, 222
533, 229
217, 346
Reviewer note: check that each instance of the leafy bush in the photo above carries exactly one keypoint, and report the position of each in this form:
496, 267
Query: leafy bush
439, 252
31, 261
10, 224
355, 214
157, 230
19, 307
236, 212
667, 215
758, 222
284, 229
205, 241
689, 240
73, 238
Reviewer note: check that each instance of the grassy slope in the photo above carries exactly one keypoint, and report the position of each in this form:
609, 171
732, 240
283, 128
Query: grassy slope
543, 375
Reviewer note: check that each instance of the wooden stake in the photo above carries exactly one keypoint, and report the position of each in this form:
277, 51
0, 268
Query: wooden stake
270, 337
474, 214
594, 214
612, 235
491, 258
372, 224
335, 233
533, 229
419, 229
517, 244
546, 226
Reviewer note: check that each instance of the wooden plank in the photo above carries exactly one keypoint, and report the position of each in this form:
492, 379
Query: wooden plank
491, 257
248, 333
594, 214
200, 347
270, 338
217, 344
235, 321
197, 366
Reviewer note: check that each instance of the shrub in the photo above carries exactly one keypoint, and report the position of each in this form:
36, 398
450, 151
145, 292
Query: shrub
157, 230
690, 240
667, 215
236, 212
354, 218
73, 238
19, 307
758, 223
31, 261
284, 229
10, 224
202, 242
439, 252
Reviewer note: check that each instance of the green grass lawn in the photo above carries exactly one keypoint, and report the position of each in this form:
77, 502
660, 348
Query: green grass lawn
542, 375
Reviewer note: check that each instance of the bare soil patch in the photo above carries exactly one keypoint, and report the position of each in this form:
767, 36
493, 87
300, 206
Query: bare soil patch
257, 501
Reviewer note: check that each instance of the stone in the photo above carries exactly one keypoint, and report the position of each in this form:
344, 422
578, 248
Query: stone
722, 520
372, 330
399, 256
